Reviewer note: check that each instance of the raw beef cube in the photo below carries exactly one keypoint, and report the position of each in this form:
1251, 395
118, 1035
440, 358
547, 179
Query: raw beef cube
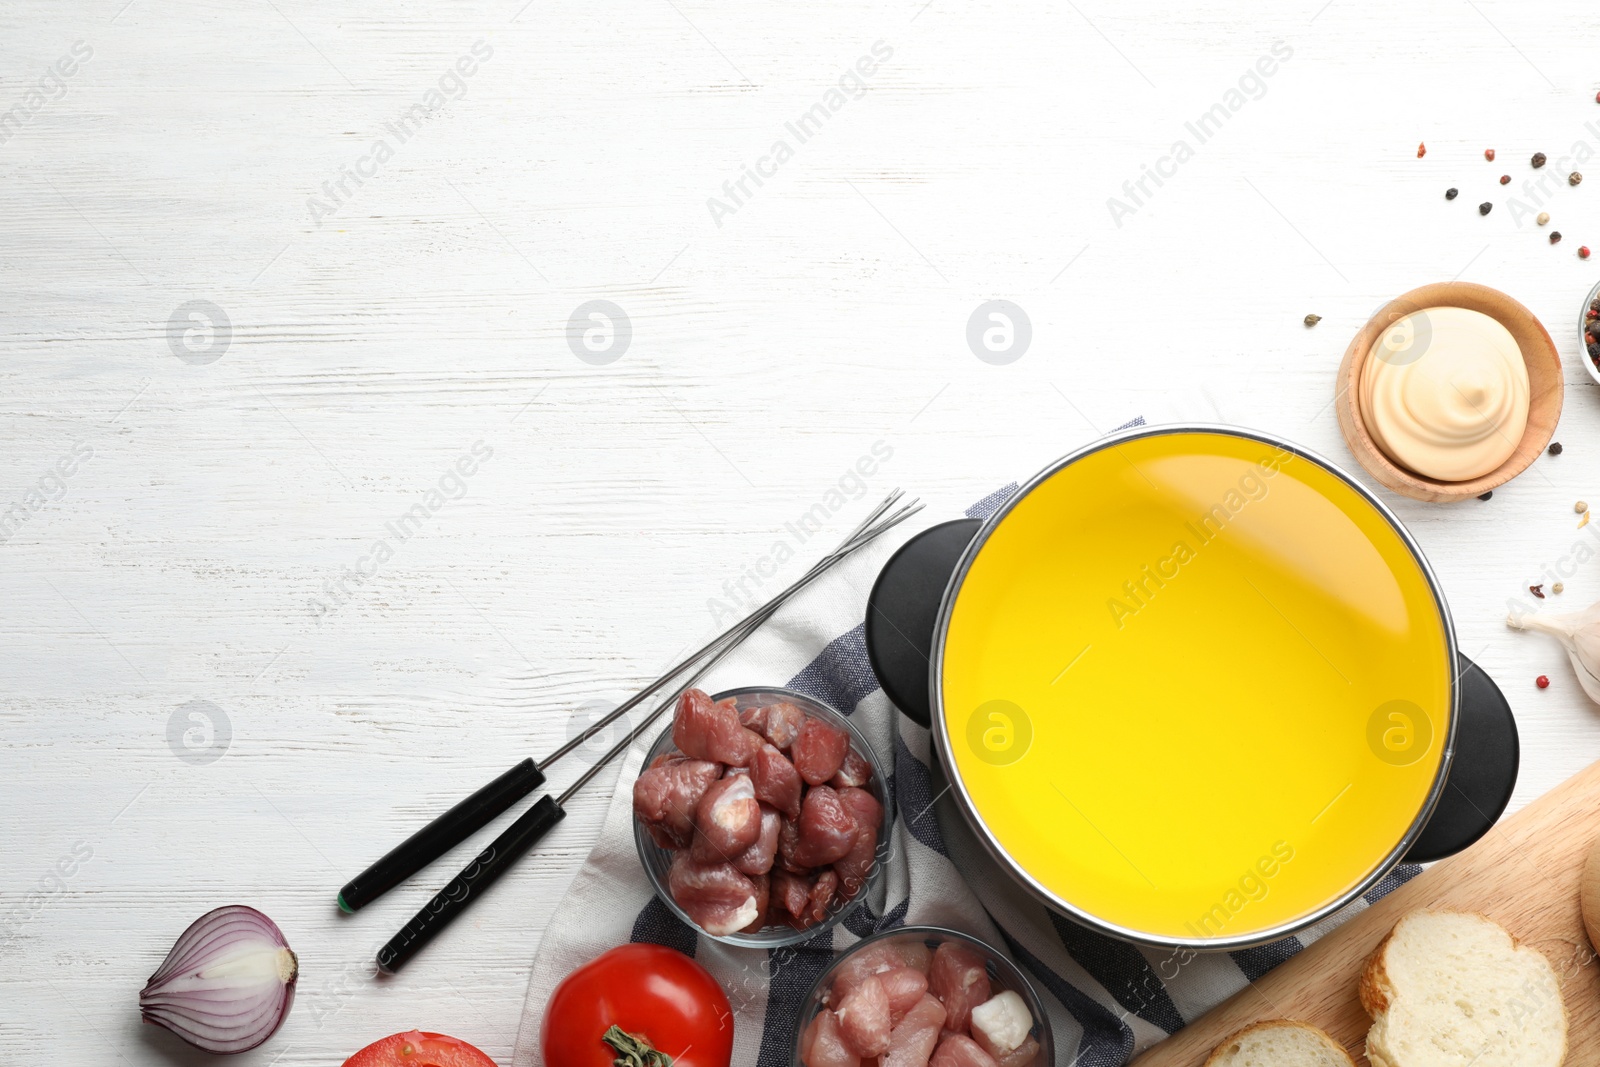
788, 844
823, 1046
791, 891
864, 1018
757, 859
665, 798
818, 751
710, 731
727, 820
781, 724
913, 1041
827, 829
854, 866
854, 771
959, 979
716, 897
777, 782
763, 890
820, 897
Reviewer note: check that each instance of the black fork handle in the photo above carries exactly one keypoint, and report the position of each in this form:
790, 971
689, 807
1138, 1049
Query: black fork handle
485, 869
441, 835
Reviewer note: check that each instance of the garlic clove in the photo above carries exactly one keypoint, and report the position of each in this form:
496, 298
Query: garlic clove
1579, 633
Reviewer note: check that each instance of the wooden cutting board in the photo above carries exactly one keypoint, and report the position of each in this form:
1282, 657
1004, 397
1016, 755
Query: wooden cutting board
1524, 874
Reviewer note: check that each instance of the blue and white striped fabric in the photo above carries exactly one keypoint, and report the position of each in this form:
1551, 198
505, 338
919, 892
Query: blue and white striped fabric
1107, 1000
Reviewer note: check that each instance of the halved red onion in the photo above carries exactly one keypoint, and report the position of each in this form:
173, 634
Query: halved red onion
227, 984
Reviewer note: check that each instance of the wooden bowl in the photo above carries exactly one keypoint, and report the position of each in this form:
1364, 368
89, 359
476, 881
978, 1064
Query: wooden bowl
1544, 389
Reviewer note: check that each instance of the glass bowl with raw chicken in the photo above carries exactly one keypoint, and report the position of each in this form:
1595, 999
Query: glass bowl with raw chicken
923, 996
761, 816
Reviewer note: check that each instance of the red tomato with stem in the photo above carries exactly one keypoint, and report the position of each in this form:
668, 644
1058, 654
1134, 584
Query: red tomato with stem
631, 1001
418, 1048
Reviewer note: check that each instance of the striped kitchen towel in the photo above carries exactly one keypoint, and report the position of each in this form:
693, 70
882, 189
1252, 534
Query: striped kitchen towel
1107, 1000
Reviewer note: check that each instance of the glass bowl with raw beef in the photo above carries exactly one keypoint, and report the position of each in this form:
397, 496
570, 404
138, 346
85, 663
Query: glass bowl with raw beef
760, 815
923, 996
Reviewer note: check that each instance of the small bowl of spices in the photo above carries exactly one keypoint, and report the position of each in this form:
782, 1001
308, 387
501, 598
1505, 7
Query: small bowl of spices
1450, 391
1589, 332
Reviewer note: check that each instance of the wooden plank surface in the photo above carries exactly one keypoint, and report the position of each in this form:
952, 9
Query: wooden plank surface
1524, 875
370, 348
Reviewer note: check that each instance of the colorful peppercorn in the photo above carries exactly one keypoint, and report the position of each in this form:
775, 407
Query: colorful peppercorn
1538, 160
1485, 207
1543, 681
1488, 153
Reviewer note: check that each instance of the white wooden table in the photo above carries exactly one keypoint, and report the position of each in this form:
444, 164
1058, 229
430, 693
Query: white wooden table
387, 309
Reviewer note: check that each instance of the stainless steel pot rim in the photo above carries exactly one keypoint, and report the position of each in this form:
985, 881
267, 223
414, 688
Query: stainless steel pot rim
1015, 869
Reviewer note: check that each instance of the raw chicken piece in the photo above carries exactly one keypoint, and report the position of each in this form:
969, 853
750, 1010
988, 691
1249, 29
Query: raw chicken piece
823, 1046
917, 955
854, 771
710, 731
1022, 1056
763, 889
913, 1041
790, 891
817, 752
781, 724
671, 755
959, 1050
1001, 1023
821, 896
827, 829
666, 795
960, 981
754, 719
875, 958
716, 897
904, 986
727, 820
788, 843
757, 859
864, 1018
777, 782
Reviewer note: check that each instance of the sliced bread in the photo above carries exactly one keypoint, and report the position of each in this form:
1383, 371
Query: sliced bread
1448, 988
1280, 1043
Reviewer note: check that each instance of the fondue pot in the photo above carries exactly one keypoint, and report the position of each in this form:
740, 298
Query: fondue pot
1193, 686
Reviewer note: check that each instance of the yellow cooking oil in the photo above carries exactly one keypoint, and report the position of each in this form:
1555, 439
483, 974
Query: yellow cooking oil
1196, 686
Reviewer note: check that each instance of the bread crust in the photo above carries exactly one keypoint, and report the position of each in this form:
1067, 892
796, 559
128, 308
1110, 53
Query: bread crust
1221, 1050
1374, 989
